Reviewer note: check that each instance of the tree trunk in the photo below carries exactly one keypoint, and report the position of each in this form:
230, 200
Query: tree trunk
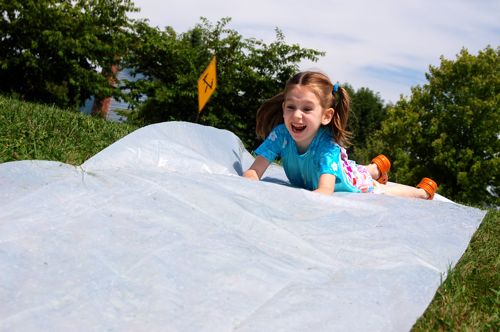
100, 107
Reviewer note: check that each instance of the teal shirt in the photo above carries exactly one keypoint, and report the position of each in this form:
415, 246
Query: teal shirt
323, 156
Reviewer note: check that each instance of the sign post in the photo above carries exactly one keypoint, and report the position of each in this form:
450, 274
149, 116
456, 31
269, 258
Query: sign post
206, 84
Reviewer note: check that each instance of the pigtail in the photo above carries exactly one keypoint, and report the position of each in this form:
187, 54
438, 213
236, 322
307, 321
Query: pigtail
269, 115
342, 106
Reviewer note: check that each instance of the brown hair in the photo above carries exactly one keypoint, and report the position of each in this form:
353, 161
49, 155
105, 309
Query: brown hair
270, 113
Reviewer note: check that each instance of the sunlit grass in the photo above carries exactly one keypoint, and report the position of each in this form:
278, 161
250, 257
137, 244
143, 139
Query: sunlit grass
33, 131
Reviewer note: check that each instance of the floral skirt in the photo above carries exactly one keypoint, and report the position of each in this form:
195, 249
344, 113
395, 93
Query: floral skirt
357, 174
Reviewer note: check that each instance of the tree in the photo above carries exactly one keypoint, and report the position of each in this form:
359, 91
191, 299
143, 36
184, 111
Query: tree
367, 113
53, 51
449, 129
248, 72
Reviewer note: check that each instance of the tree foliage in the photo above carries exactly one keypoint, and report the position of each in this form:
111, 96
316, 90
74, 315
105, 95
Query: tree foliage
450, 129
367, 113
52, 51
248, 72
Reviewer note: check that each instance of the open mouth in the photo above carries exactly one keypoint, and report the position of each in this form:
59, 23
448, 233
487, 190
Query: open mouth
298, 128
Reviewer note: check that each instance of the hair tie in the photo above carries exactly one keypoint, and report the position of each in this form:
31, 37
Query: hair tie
336, 87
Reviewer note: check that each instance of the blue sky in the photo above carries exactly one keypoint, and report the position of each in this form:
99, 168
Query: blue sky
384, 45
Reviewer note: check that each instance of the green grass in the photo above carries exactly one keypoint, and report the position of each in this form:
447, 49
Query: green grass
32, 131
468, 300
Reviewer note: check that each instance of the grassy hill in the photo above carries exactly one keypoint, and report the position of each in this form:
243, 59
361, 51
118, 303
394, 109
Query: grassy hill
468, 300
32, 131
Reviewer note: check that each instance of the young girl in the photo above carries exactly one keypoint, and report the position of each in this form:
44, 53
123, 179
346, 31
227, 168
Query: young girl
305, 125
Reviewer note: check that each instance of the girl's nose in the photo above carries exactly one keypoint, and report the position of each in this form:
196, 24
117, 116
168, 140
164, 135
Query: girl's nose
297, 114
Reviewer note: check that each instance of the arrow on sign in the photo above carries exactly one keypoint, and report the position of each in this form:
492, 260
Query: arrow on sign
205, 89
209, 85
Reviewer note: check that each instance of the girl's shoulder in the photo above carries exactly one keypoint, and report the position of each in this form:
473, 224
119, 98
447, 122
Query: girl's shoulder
326, 141
328, 147
280, 129
279, 132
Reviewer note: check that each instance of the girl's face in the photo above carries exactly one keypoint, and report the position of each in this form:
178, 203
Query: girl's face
304, 115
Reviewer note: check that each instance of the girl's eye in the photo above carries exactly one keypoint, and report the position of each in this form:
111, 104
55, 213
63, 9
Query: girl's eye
307, 109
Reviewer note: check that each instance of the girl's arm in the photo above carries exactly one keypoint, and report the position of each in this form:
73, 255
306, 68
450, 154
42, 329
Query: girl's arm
257, 169
326, 184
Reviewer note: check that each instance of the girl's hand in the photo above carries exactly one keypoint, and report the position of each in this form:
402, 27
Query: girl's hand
257, 169
251, 174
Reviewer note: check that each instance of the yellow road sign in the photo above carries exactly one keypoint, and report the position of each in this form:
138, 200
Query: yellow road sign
206, 84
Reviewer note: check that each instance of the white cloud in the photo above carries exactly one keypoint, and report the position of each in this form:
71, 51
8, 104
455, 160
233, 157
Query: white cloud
385, 45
